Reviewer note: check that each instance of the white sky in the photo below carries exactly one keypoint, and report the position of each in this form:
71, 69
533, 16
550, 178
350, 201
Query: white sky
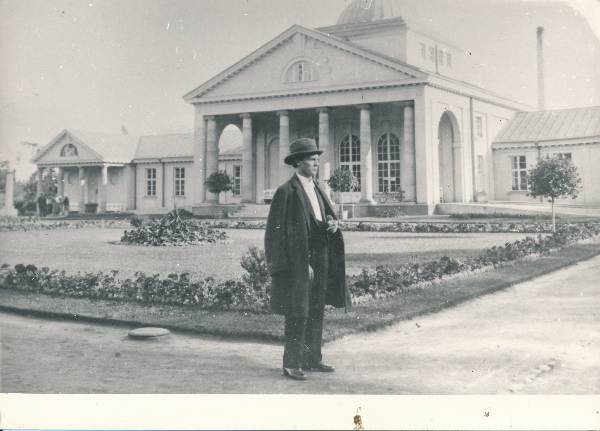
101, 64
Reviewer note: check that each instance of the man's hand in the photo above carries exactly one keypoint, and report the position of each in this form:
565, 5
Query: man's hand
311, 273
332, 225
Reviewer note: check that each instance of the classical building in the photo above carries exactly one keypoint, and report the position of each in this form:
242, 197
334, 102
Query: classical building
380, 98
101, 172
568, 133
383, 99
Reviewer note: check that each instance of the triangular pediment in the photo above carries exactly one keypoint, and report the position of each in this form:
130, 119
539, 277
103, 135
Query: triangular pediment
327, 63
66, 148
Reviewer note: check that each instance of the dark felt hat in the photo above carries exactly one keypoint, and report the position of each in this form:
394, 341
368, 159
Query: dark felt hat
301, 148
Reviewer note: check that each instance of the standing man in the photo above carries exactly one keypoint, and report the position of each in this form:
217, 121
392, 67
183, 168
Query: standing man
304, 249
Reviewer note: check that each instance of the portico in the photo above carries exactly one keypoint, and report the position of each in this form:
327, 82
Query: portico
388, 122
92, 170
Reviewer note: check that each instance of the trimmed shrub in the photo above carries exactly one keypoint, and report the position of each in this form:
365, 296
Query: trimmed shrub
170, 230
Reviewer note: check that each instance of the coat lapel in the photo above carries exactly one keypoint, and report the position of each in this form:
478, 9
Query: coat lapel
326, 200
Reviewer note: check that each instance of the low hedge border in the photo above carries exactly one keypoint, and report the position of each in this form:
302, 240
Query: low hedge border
35, 224
251, 292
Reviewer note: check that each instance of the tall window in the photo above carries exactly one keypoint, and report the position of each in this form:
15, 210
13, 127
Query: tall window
449, 59
179, 181
519, 173
432, 53
423, 51
388, 163
441, 57
350, 155
150, 181
237, 180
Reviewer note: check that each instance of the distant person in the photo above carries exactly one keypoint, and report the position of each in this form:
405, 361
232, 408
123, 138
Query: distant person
41, 201
304, 249
65, 205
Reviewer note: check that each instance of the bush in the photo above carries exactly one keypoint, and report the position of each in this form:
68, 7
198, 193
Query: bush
252, 291
257, 275
175, 289
170, 230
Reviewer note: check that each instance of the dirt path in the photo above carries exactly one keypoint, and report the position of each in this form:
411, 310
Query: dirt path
542, 336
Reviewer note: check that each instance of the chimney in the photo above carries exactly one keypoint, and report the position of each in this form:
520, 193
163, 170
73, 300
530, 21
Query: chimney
540, 68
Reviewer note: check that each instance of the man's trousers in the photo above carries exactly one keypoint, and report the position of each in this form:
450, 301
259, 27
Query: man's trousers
303, 335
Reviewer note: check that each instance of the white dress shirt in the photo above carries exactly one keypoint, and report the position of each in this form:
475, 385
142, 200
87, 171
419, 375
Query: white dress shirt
309, 187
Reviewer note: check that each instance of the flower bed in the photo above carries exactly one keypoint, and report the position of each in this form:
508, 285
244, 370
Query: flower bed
171, 230
414, 227
35, 223
252, 291
11, 224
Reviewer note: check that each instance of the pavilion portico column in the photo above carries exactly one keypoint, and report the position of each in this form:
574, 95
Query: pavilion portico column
82, 187
366, 156
407, 158
199, 160
284, 144
212, 152
326, 158
104, 189
61, 181
247, 174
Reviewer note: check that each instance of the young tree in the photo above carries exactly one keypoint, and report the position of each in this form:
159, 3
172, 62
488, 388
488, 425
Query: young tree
343, 180
553, 178
219, 182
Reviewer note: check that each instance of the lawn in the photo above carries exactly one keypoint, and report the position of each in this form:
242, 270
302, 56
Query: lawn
94, 249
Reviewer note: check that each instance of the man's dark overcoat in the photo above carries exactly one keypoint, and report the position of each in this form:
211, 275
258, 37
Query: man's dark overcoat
287, 252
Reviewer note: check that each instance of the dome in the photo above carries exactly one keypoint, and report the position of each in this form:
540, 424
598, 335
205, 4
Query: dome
363, 11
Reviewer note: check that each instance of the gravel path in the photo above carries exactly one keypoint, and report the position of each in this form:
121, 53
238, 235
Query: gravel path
538, 337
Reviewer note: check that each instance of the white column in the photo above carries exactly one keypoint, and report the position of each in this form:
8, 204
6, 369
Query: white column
247, 174
260, 164
61, 181
284, 144
424, 158
327, 156
212, 154
9, 194
82, 186
407, 157
199, 176
104, 189
366, 156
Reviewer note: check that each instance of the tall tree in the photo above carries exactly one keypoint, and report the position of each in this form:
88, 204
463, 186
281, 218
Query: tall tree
554, 178
219, 182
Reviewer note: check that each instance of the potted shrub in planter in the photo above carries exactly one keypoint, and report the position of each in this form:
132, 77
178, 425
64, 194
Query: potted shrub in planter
343, 181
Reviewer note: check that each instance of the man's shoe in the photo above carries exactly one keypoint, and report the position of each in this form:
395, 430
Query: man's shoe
294, 373
321, 367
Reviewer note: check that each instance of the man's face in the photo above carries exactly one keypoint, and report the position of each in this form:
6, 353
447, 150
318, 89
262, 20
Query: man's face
309, 166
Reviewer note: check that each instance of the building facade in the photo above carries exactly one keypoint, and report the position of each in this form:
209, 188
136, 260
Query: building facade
387, 101
567, 133
380, 99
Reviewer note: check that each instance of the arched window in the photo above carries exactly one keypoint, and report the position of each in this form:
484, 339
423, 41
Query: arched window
69, 150
350, 155
302, 71
388, 163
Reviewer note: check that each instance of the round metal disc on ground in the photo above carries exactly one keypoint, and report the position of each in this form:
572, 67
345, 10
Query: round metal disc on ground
148, 333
